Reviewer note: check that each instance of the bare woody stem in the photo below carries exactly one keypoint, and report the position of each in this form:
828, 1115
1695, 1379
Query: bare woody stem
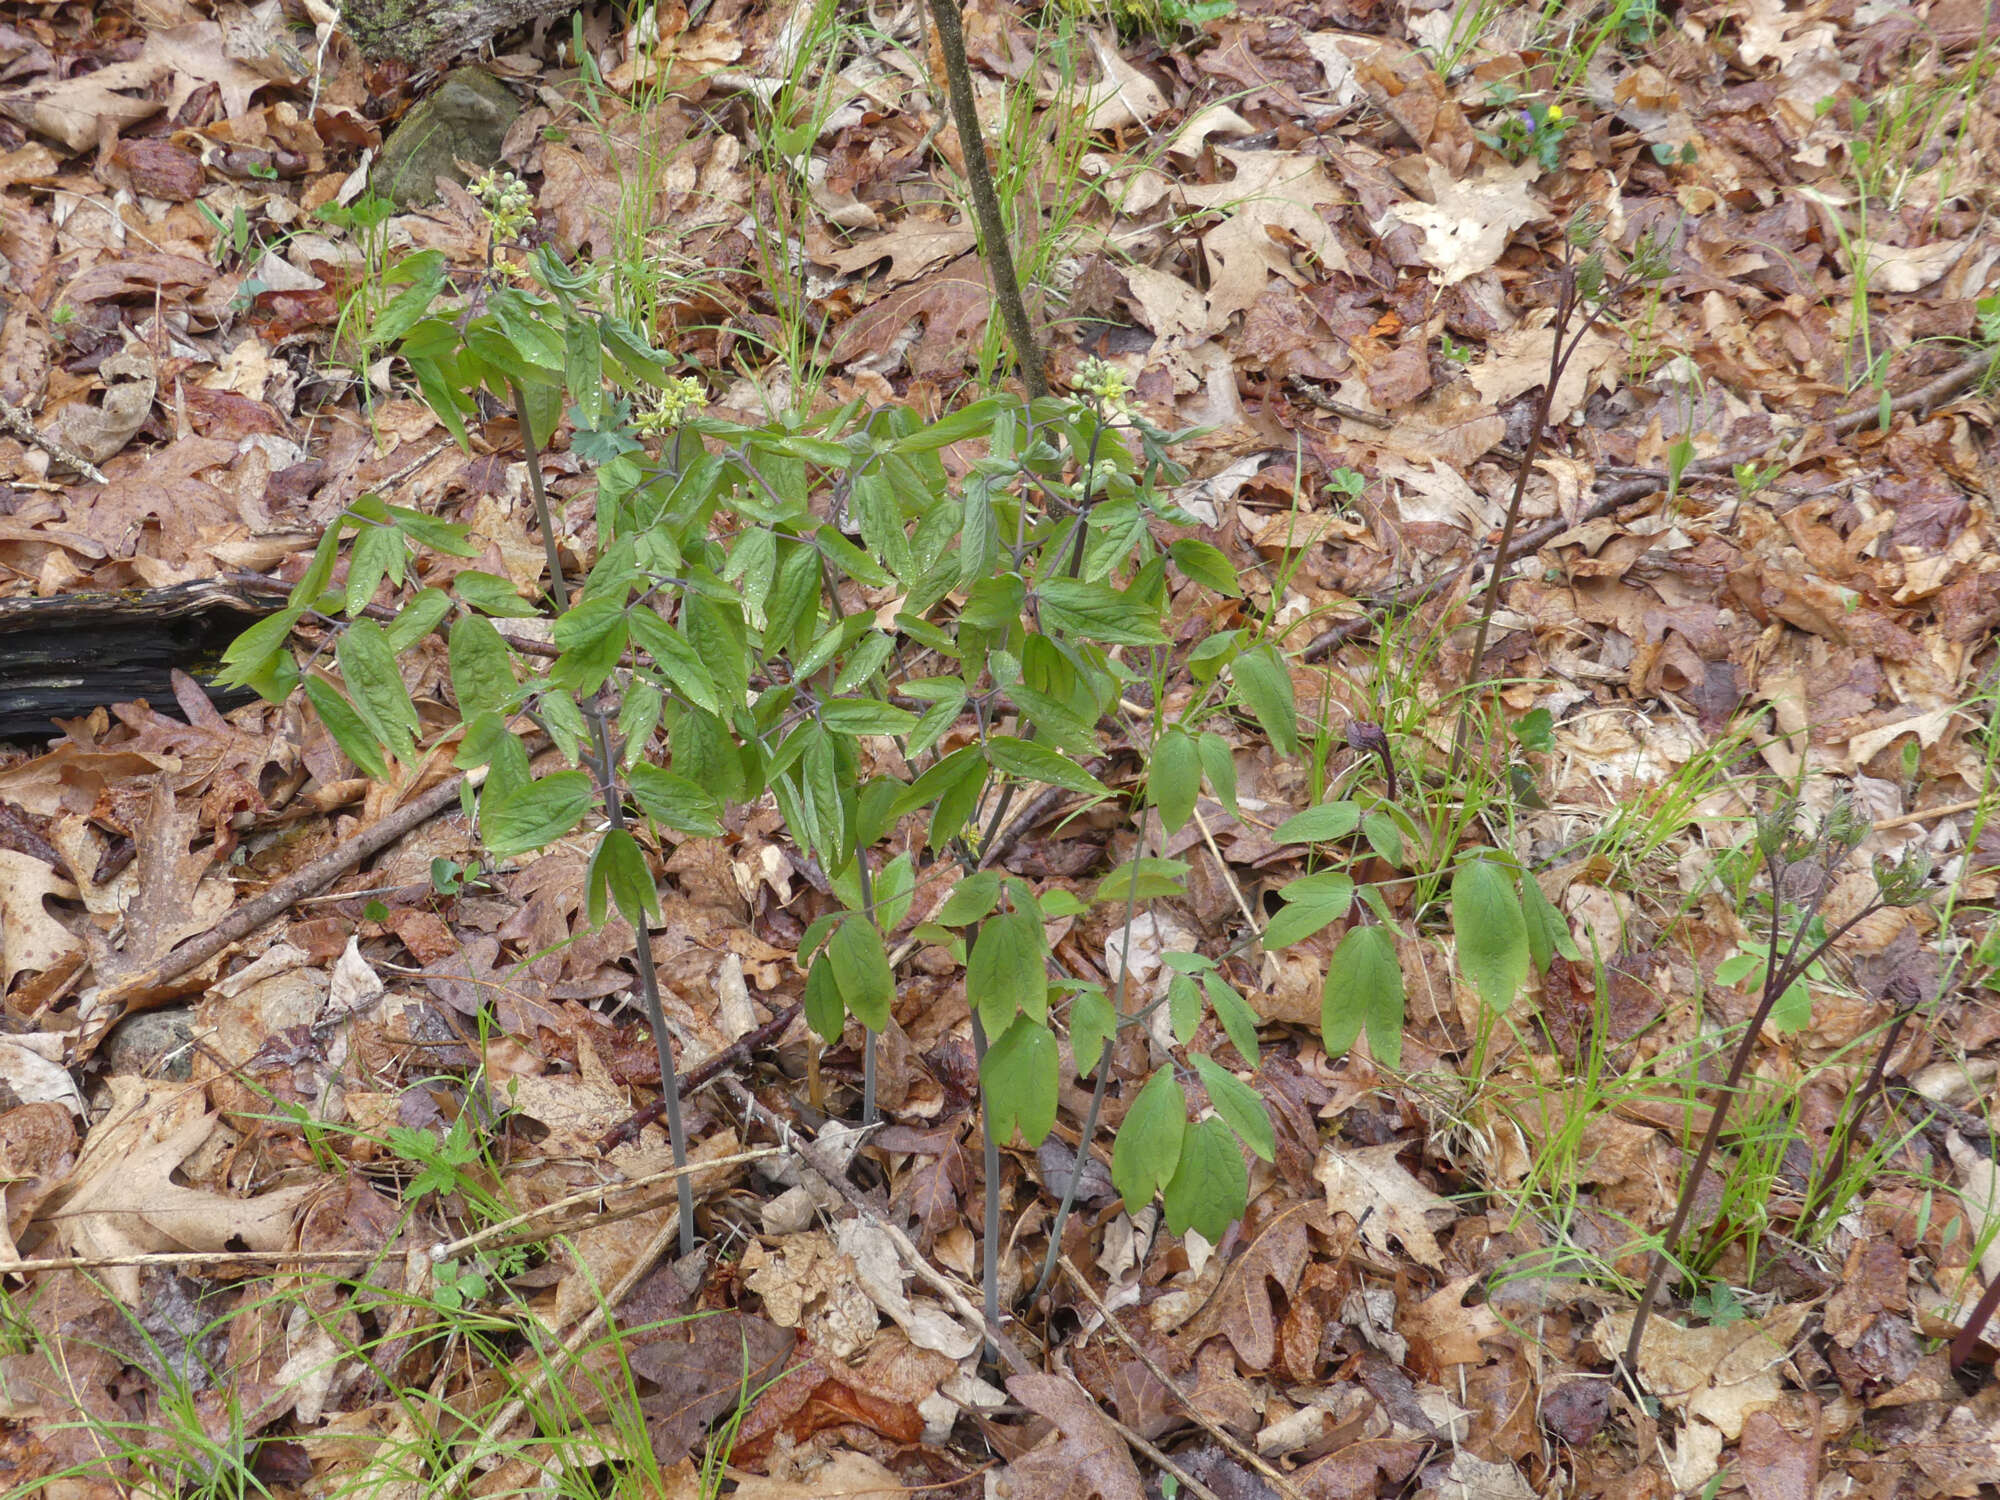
1779, 975
993, 244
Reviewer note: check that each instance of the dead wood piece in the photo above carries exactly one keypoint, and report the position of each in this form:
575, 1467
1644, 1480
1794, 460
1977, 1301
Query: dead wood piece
425, 33
104, 1007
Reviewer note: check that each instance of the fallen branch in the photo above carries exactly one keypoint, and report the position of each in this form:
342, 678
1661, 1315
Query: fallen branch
814, 1155
1625, 492
104, 1007
1279, 1481
16, 421
701, 1075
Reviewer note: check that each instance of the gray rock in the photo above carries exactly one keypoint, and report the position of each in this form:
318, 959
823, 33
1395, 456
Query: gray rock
141, 1044
464, 119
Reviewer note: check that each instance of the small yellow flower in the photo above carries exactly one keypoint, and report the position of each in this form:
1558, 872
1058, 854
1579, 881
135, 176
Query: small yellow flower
1555, 111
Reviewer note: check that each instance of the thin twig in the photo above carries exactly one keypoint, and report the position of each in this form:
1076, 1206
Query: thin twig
702, 1074
814, 1155
1623, 493
1279, 1481
106, 1005
16, 421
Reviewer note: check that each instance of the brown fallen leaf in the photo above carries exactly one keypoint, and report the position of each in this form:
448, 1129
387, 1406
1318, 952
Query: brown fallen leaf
122, 1200
1086, 1460
1370, 1186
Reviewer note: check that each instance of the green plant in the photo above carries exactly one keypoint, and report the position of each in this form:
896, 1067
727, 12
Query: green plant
718, 620
1799, 865
1533, 129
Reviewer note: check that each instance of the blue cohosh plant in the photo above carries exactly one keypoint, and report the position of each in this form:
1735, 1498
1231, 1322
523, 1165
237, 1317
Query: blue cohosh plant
765, 610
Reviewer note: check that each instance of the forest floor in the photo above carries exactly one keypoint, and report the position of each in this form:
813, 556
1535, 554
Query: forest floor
1338, 238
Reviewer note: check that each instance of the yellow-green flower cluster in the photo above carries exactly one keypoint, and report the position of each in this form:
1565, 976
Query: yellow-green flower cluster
509, 202
678, 397
1107, 384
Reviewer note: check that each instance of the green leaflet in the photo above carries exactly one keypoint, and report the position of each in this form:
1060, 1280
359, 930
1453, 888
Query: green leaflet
1265, 686
1364, 988
1148, 1149
529, 817
1019, 1080
861, 967
618, 872
1310, 904
1490, 931
369, 666
1239, 1104
1174, 781
1006, 974
1211, 1187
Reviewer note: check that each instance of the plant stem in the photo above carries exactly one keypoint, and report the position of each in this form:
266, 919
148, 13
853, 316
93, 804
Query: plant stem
868, 1112
993, 245
1779, 976
989, 1249
614, 810
1098, 1089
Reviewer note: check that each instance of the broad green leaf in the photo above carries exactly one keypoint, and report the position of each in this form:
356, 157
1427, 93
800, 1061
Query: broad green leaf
1548, 933
482, 667
793, 596
1738, 967
1319, 825
1364, 987
319, 572
1033, 762
971, 899
1206, 565
1383, 836
1237, 1018
865, 716
453, 538
1142, 880
1148, 1148
1184, 1008
870, 654
418, 618
825, 1012
1218, 764
1793, 1009
638, 716
894, 887
425, 272
872, 502
1242, 1106
369, 668
675, 801
618, 873
1092, 1023
676, 658
583, 367
564, 721
1006, 975
1265, 686
1310, 904
529, 817
1018, 1078
1491, 934
1211, 1187
966, 422
378, 552
1098, 612
492, 595
356, 740
1174, 779
861, 965
254, 650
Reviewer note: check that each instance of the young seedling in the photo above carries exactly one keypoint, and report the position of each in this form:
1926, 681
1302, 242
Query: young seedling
1785, 850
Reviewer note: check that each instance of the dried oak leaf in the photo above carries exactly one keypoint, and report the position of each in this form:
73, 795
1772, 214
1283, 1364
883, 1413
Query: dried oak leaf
1241, 1308
1370, 1186
1086, 1460
953, 304
122, 1200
